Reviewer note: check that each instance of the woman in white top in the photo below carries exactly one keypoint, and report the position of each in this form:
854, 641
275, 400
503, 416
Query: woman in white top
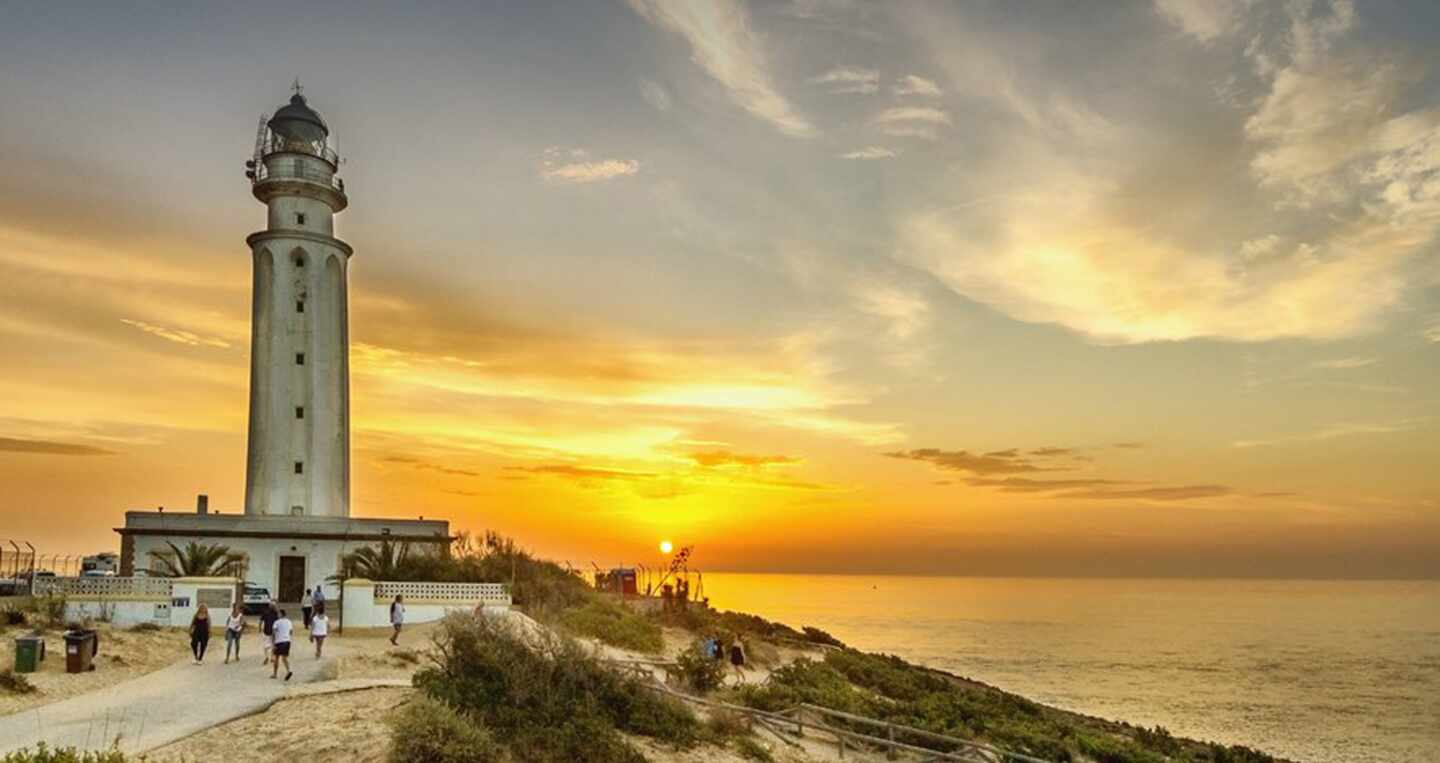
234, 626
397, 618
319, 629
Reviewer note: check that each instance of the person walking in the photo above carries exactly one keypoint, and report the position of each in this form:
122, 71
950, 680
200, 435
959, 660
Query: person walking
282, 630
234, 626
737, 659
307, 606
267, 630
397, 618
319, 629
200, 633
318, 599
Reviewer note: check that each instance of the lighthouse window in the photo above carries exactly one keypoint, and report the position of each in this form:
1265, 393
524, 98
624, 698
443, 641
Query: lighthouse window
297, 511
299, 306
299, 218
299, 411
299, 467
299, 262
299, 358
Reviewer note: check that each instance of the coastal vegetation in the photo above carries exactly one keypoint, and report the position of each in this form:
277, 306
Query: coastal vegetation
546, 696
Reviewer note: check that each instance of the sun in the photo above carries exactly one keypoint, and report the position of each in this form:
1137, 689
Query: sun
666, 546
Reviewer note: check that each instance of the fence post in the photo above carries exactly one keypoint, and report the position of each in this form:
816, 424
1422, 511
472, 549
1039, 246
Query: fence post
890, 734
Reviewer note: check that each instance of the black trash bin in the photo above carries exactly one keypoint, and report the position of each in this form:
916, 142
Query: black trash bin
80, 646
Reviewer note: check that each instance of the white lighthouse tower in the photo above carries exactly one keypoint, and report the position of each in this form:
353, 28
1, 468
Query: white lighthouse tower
299, 447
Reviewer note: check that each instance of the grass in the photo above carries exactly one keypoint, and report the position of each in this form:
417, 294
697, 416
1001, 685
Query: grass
613, 623
546, 697
45, 754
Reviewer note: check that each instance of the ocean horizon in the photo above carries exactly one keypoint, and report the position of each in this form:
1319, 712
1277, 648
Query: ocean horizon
1311, 670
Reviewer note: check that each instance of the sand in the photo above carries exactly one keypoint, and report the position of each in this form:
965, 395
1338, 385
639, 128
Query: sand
124, 654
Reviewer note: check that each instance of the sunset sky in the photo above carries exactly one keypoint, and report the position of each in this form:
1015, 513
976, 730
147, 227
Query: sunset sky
975, 288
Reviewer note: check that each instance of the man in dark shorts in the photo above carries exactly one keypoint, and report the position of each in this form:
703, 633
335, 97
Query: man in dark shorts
282, 630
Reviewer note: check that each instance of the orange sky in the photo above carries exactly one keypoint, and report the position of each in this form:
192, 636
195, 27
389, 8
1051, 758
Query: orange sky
814, 289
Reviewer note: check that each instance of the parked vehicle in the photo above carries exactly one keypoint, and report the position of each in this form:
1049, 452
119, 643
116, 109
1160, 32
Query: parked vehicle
255, 599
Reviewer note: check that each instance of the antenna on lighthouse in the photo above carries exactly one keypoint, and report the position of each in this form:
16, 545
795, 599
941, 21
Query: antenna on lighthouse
297, 87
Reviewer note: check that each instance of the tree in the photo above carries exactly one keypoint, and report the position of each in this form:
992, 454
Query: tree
388, 561
197, 560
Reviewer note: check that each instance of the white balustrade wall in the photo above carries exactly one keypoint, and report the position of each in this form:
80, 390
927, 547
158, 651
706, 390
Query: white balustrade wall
367, 603
128, 601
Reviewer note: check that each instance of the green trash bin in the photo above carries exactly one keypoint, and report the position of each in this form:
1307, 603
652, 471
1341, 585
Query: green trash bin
29, 651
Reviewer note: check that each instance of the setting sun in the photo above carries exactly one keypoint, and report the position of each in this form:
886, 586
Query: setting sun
666, 547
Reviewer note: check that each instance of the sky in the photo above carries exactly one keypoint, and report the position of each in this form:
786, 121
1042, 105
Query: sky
983, 288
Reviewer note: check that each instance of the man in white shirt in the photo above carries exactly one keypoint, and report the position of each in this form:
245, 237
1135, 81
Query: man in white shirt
281, 633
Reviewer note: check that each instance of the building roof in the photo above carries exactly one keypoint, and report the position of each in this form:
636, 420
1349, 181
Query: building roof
297, 121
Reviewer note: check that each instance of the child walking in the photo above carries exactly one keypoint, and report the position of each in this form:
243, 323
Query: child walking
319, 629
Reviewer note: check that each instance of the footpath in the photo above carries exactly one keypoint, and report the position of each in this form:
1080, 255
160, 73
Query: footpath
168, 704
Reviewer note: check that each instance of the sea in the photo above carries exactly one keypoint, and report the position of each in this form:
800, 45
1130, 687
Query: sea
1322, 671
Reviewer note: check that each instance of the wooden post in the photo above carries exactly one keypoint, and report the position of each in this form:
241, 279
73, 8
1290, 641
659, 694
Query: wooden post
890, 734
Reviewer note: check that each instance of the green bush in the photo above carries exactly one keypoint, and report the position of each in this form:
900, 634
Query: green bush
428, 731
145, 627
12, 616
615, 624
45, 754
817, 636
546, 696
48, 609
700, 671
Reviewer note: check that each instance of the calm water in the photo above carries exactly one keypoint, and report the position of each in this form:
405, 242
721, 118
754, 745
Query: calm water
1325, 671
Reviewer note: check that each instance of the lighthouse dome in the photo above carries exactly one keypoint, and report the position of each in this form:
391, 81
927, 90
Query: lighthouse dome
296, 121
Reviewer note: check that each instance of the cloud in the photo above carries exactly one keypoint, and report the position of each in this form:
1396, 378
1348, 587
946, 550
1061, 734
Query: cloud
655, 95
553, 167
1345, 363
1130, 445
1205, 20
912, 122
1050, 452
714, 458
1023, 485
179, 336
871, 152
1329, 195
849, 79
571, 471
1337, 431
723, 43
906, 312
1180, 493
995, 462
911, 84
1431, 332
426, 465
50, 448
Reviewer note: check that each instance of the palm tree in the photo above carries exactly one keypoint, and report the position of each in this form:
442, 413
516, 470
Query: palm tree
197, 560
384, 562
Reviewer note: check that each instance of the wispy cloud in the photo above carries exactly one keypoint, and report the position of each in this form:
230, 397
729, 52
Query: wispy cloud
913, 122
871, 153
570, 166
1341, 364
50, 448
850, 79
178, 336
1205, 20
724, 44
912, 84
994, 462
1337, 431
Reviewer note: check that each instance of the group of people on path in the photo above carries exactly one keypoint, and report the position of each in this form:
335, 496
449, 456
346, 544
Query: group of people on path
714, 648
276, 630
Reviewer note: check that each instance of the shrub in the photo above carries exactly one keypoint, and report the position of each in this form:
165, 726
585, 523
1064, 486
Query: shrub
547, 697
45, 754
700, 671
428, 731
15, 683
817, 636
615, 624
724, 724
750, 749
12, 616
49, 610
145, 627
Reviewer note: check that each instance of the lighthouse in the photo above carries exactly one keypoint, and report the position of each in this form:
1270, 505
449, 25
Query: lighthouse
296, 524
298, 459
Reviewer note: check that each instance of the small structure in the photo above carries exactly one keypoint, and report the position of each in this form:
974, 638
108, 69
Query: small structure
104, 563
